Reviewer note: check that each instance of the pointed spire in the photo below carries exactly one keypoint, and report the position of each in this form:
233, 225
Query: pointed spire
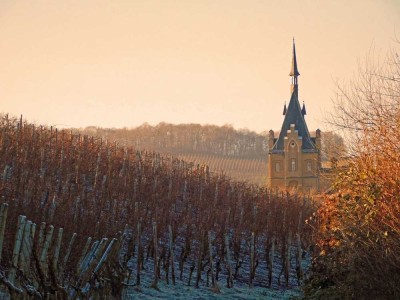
294, 114
294, 71
303, 110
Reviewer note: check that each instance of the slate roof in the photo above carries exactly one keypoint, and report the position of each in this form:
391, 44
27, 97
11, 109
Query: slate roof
294, 116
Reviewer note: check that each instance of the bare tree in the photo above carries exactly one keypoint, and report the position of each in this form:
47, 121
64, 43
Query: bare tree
333, 146
358, 226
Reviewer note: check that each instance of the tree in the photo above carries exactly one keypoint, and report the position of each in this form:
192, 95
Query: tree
357, 227
333, 147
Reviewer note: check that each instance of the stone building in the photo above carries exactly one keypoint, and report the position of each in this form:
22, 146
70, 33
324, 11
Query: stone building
294, 156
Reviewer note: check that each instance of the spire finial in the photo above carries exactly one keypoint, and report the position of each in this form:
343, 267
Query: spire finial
294, 71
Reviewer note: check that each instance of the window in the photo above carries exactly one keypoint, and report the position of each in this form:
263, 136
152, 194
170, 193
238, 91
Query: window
309, 166
278, 166
293, 164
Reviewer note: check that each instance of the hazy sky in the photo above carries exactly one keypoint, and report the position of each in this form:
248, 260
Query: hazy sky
122, 63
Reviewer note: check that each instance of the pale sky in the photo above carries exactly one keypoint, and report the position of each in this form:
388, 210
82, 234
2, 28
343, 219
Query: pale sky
122, 63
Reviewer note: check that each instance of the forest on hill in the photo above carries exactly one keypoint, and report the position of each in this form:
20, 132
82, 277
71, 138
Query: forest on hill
188, 139
240, 154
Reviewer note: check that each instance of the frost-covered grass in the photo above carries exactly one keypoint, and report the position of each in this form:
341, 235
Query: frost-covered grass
240, 290
188, 292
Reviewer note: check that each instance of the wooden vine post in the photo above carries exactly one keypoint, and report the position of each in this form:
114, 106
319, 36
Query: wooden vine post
66, 257
17, 248
83, 254
3, 219
57, 251
24, 256
45, 249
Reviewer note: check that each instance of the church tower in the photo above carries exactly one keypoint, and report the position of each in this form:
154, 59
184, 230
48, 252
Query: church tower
294, 156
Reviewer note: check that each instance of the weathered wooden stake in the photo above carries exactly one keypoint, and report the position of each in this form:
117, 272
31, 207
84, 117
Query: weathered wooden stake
66, 257
30, 248
46, 245
17, 248
105, 255
92, 262
25, 248
41, 237
96, 254
57, 250
83, 254
88, 257
3, 219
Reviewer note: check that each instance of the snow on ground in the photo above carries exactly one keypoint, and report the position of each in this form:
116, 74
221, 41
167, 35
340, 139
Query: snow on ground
187, 292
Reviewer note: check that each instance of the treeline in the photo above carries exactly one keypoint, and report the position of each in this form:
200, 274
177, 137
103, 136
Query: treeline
160, 207
240, 154
188, 138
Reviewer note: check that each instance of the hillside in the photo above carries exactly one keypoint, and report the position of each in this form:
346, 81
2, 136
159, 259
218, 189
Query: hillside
240, 154
136, 220
242, 169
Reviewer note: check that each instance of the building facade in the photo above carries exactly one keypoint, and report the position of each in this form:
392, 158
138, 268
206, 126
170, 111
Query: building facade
294, 160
